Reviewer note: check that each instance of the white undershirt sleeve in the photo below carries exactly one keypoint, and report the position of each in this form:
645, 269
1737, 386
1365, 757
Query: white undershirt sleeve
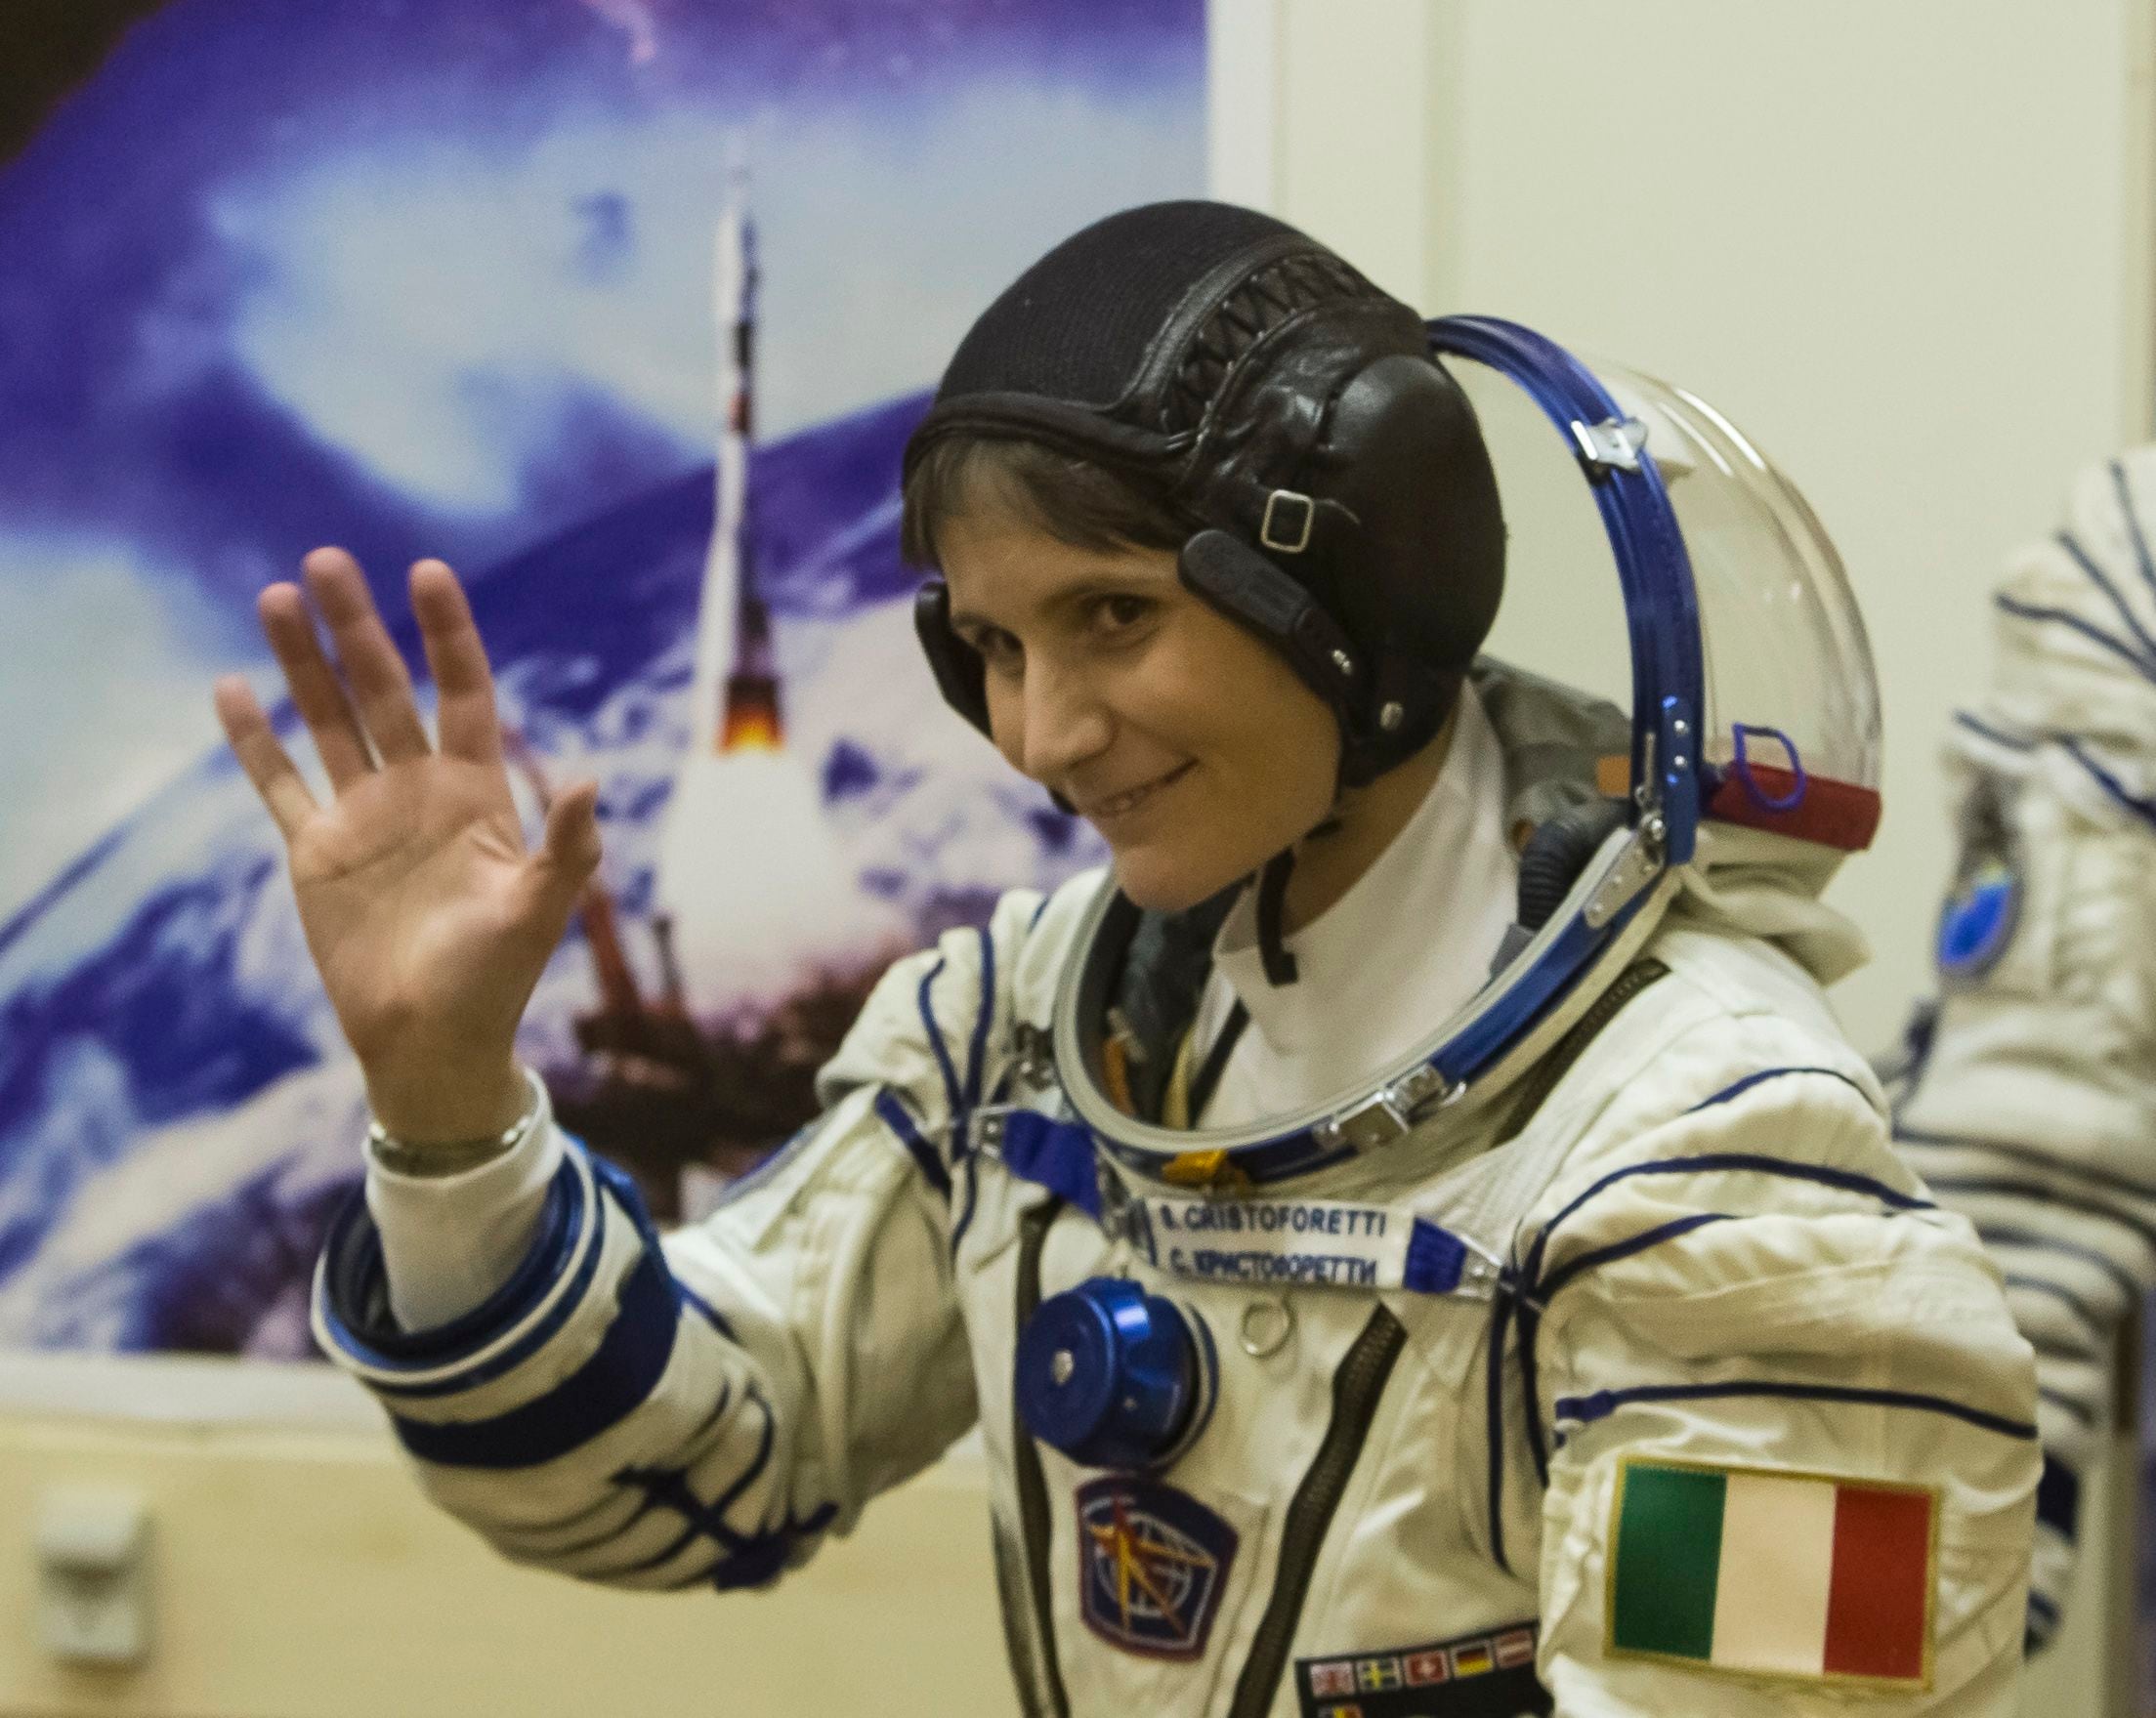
448, 1241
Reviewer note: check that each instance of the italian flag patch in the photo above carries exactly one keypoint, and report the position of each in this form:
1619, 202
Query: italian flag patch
1772, 1573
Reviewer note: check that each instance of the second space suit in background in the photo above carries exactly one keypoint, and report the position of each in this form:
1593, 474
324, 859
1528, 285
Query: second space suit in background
2027, 1097
1574, 1343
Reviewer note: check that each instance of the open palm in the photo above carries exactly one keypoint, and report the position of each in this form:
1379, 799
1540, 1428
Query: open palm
428, 917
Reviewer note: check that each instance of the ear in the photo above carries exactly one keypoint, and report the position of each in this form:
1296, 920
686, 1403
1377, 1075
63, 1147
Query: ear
959, 673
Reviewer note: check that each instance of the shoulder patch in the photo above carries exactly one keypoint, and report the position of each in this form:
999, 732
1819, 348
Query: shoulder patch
1486, 1675
1977, 921
1983, 910
1153, 1563
1758, 1572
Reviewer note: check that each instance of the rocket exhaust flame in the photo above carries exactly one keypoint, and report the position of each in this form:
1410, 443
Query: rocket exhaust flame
752, 723
764, 944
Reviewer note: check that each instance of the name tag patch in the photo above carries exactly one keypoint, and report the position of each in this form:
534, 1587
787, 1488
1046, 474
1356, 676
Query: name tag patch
1226, 1237
1489, 1675
1152, 1564
1305, 1243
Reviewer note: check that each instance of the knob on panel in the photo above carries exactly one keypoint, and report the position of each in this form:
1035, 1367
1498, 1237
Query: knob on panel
1110, 1375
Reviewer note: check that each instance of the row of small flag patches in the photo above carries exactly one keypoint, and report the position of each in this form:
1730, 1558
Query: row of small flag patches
1376, 1672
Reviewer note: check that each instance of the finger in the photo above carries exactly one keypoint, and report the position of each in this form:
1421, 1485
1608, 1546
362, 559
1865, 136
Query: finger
456, 656
568, 853
373, 666
316, 693
248, 732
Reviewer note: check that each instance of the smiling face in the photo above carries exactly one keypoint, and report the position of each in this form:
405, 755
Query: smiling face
1191, 746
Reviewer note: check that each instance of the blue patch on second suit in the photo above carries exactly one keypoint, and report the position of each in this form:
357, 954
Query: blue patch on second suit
1978, 920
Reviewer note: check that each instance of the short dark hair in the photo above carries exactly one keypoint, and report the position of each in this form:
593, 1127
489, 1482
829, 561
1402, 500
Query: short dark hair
1085, 505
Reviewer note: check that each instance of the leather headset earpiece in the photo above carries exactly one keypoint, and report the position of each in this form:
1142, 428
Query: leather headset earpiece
959, 673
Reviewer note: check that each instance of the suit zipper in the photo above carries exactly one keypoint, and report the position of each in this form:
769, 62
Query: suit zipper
1572, 1045
1016, 1604
1357, 1384
1034, 1525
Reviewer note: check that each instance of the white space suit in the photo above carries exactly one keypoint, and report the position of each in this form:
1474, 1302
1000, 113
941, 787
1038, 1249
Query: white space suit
1702, 1406
2028, 1100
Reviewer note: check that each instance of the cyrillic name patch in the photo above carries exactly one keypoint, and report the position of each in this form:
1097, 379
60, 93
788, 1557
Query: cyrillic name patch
1153, 1563
1488, 1675
1762, 1572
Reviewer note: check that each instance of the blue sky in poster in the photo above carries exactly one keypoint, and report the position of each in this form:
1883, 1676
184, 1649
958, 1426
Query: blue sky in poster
438, 279
432, 277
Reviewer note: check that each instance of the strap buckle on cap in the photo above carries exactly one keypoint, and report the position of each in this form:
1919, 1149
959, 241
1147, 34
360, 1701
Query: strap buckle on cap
1301, 524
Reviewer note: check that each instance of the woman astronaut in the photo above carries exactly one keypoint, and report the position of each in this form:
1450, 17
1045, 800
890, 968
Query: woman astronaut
1410, 1232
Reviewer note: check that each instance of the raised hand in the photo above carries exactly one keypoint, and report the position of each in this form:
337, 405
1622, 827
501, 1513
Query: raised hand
427, 915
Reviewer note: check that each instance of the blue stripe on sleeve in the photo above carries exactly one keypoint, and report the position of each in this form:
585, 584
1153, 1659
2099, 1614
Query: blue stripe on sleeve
1537, 1291
2043, 1623
953, 1093
1976, 725
2082, 1349
2071, 1405
2076, 748
747, 1558
1845, 1180
618, 1377
1546, 1292
894, 1116
762, 1558
668, 1488
2058, 1498
2005, 1187
2094, 633
1738, 1088
1601, 1404
514, 1301
2097, 576
2058, 1292
2074, 745
353, 1282
2133, 524
645, 1504
2108, 1179
710, 1313
1994, 1235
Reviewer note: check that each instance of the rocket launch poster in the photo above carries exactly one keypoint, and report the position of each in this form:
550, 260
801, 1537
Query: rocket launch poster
623, 307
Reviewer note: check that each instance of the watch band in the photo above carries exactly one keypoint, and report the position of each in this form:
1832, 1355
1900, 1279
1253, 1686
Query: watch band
455, 1156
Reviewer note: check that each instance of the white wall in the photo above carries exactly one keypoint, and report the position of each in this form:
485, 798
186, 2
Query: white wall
1906, 249
300, 1574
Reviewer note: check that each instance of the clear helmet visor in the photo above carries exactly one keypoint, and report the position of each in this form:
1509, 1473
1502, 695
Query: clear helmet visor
1659, 563
1791, 714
